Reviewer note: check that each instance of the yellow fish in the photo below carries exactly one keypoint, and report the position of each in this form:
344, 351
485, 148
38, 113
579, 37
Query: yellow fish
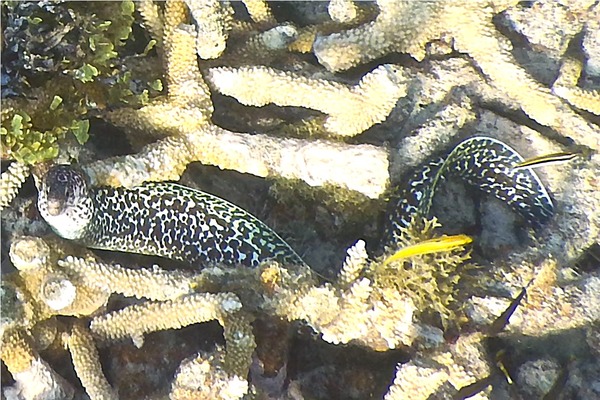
444, 243
546, 159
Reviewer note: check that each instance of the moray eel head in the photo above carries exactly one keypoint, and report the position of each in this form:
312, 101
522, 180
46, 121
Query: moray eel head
64, 201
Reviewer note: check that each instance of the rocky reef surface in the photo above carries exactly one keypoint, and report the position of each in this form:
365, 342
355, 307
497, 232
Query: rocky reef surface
306, 114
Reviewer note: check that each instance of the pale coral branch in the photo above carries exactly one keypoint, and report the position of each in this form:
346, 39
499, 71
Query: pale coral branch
17, 352
565, 87
375, 95
570, 71
148, 9
10, 182
499, 65
362, 168
588, 100
87, 364
342, 11
185, 84
356, 260
137, 320
213, 22
153, 284
260, 12
34, 378
400, 26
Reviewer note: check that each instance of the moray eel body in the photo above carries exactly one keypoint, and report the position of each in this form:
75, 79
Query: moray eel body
482, 162
161, 219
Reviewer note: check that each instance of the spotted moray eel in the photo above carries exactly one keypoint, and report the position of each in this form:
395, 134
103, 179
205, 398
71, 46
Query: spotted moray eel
161, 219
173, 221
482, 162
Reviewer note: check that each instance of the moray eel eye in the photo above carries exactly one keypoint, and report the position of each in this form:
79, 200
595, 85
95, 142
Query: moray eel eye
64, 186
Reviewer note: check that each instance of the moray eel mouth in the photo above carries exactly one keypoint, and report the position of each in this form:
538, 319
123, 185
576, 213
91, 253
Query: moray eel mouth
64, 201
173, 221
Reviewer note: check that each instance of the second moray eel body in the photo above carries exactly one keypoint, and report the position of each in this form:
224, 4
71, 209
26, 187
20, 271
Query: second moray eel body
162, 219
482, 162
180, 223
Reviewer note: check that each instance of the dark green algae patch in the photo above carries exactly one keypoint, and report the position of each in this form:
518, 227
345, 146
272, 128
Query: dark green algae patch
63, 63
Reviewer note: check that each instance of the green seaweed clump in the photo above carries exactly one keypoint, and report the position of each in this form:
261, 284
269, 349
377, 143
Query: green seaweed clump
430, 280
23, 142
63, 63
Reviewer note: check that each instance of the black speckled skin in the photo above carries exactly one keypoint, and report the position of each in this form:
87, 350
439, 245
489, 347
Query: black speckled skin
180, 223
484, 163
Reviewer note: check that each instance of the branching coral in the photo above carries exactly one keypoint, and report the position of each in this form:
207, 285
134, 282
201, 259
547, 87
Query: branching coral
153, 284
423, 22
43, 292
212, 19
185, 115
82, 286
50, 289
35, 379
11, 181
374, 303
565, 87
376, 94
87, 363
204, 376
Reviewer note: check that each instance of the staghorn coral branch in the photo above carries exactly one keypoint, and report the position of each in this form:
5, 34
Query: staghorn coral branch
588, 100
87, 364
342, 11
185, 84
213, 20
17, 352
174, 14
375, 95
152, 19
153, 284
204, 376
362, 168
10, 182
422, 22
497, 63
34, 378
403, 26
355, 262
170, 314
260, 12
565, 87
160, 119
